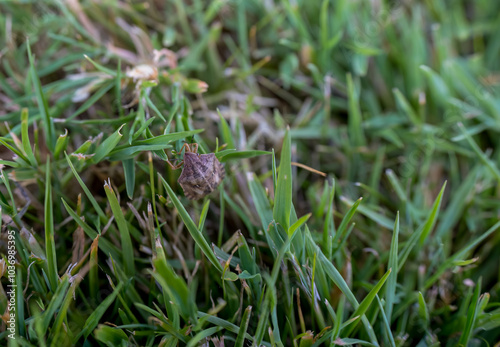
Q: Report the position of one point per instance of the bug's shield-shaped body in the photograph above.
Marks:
(201, 175)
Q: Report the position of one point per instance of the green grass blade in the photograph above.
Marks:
(329, 225)
(367, 301)
(173, 285)
(130, 152)
(245, 320)
(432, 219)
(283, 198)
(370, 213)
(107, 146)
(59, 333)
(43, 106)
(57, 299)
(164, 139)
(96, 315)
(93, 270)
(451, 260)
(129, 173)
(390, 289)
(196, 340)
(50, 246)
(26, 139)
(154, 108)
(489, 164)
(61, 144)
(345, 221)
(338, 280)
(126, 241)
(406, 107)
(260, 200)
(99, 67)
(387, 326)
(423, 312)
(193, 230)
(225, 131)
(356, 135)
(110, 336)
(295, 226)
(106, 86)
(106, 246)
(228, 155)
(14, 150)
(471, 316)
(87, 192)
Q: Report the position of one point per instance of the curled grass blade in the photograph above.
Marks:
(107, 146)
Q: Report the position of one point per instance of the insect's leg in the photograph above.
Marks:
(194, 147)
(185, 147)
(178, 165)
(174, 167)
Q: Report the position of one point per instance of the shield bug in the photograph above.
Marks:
(202, 173)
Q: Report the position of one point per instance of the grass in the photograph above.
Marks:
(397, 103)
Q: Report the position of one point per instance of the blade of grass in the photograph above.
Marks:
(423, 311)
(363, 306)
(62, 314)
(26, 139)
(87, 192)
(96, 315)
(225, 131)
(337, 279)
(106, 86)
(43, 106)
(489, 164)
(193, 230)
(471, 316)
(356, 135)
(173, 285)
(228, 155)
(126, 241)
(93, 270)
(390, 289)
(387, 326)
(107, 146)
(345, 221)
(106, 246)
(458, 255)
(432, 219)
(329, 226)
(61, 144)
(240, 339)
(56, 301)
(49, 229)
(129, 173)
(283, 197)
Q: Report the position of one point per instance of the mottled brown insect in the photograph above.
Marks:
(202, 173)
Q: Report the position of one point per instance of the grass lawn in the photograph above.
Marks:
(359, 151)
